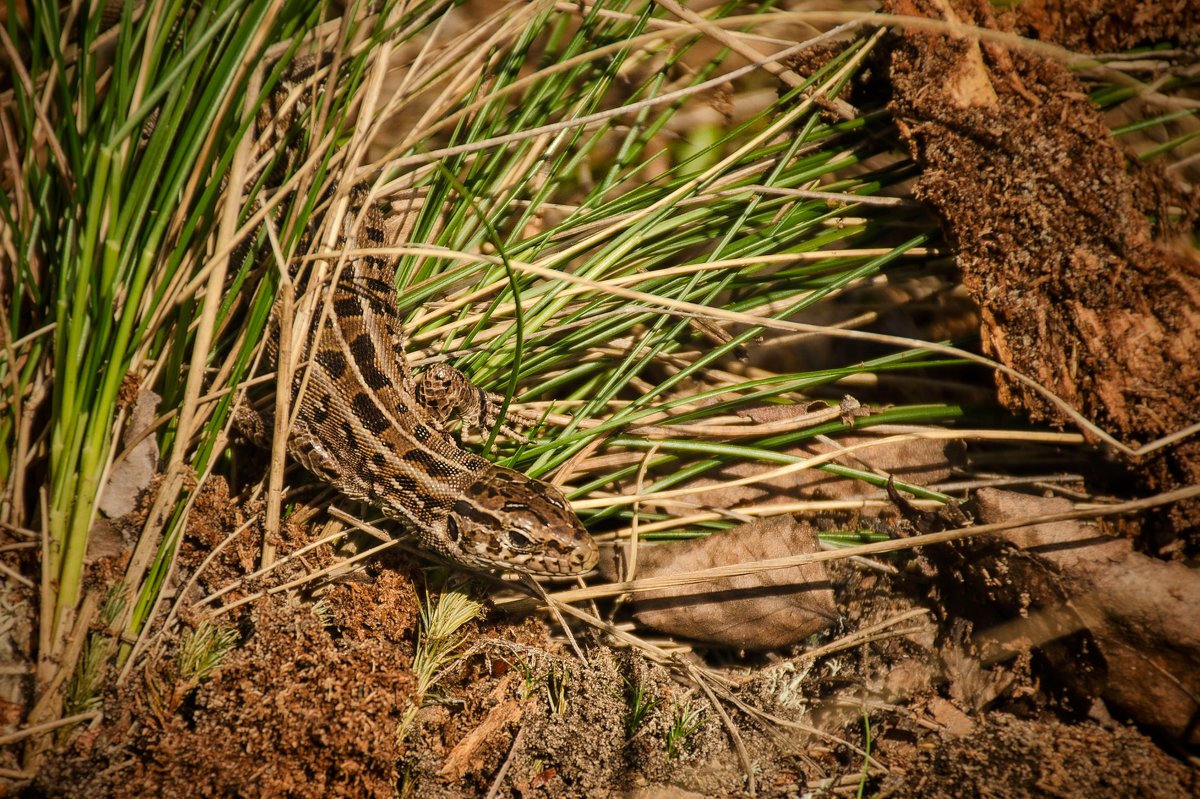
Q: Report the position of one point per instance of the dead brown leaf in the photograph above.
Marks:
(766, 610)
(132, 475)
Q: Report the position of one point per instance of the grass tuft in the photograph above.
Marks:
(686, 721)
(203, 649)
(640, 706)
(440, 636)
(439, 644)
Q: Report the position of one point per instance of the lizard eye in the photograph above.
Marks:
(518, 540)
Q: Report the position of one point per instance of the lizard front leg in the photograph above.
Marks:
(445, 393)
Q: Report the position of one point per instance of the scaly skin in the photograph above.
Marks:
(368, 428)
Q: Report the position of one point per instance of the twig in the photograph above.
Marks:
(512, 751)
(283, 396)
(46, 726)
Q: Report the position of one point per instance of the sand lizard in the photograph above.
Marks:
(367, 427)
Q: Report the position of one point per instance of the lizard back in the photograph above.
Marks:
(361, 427)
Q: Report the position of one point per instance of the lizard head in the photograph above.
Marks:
(507, 520)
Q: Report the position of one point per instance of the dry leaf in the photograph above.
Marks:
(133, 474)
(766, 610)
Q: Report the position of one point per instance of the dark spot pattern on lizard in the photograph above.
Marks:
(369, 414)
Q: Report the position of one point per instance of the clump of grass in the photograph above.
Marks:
(545, 673)
(440, 635)
(556, 688)
(324, 613)
(530, 680)
(203, 649)
(640, 705)
(124, 142)
(439, 643)
(83, 692)
(201, 652)
(686, 721)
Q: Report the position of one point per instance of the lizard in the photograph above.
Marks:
(364, 424)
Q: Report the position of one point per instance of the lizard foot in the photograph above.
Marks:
(445, 393)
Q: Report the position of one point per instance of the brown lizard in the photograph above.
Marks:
(367, 427)
(363, 423)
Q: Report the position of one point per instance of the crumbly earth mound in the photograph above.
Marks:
(1018, 758)
(1052, 221)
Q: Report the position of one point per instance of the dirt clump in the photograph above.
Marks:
(1109, 25)
(292, 710)
(1077, 288)
(1017, 758)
